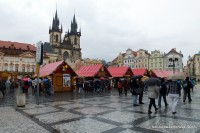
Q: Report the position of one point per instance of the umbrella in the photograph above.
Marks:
(96, 80)
(25, 79)
(152, 82)
(144, 78)
(175, 77)
(136, 77)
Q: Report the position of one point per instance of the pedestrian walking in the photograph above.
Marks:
(2, 88)
(119, 87)
(153, 93)
(174, 91)
(163, 93)
(8, 84)
(134, 86)
(141, 83)
(126, 86)
(187, 86)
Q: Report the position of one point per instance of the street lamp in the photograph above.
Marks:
(173, 59)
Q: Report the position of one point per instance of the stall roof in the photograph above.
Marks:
(48, 69)
(165, 73)
(119, 71)
(160, 73)
(139, 71)
(89, 71)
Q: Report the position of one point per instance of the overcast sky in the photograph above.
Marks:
(108, 26)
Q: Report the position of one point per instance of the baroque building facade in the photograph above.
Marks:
(142, 59)
(192, 68)
(63, 48)
(18, 58)
(155, 60)
(178, 60)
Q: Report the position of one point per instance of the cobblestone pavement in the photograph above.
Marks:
(87, 113)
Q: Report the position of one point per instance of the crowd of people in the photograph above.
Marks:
(171, 88)
(95, 85)
(26, 84)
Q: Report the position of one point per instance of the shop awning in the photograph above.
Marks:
(139, 71)
(120, 71)
(89, 71)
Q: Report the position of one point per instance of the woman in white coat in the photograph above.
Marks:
(153, 93)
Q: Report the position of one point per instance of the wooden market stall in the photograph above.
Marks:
(119, 72)
(62, 75)
(92, 71)
(141, 71)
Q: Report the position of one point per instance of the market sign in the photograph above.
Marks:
(39, 53)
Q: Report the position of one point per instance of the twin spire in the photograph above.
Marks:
(56, 24)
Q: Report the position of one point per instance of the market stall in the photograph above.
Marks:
(62, 75)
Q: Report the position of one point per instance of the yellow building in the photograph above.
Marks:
(156, 60)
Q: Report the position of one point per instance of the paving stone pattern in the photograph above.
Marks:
(108, 113)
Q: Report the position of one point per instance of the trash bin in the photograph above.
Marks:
(21, 100)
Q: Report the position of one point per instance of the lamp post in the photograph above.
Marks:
(173, 59)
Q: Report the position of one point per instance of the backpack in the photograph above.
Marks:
(185, 84)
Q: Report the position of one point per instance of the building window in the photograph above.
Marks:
(28, 69)
(23, 69)
(75, 40)
(56, 38)
(65, 55)
(11, 67)
(16, 68)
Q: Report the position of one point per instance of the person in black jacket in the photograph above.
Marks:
(187, 86)
(2, 88)
(141, 83)
(163, 93)
(133, 86)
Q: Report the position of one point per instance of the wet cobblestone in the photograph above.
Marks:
(98, 113)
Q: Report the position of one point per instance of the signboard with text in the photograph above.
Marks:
(39, 53)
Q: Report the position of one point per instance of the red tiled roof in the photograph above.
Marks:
(118, 71)
(89, 71)
(17, 45)
(139, 71)
(48, 69)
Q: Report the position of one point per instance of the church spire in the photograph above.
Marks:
(56, 23)
(74, 27)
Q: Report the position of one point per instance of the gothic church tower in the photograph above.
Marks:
(55, 32)
(68, 48)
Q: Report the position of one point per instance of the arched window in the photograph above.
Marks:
(65, 55)
(75, 40)
(23, 68)
(56, 38)
(16, 67)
